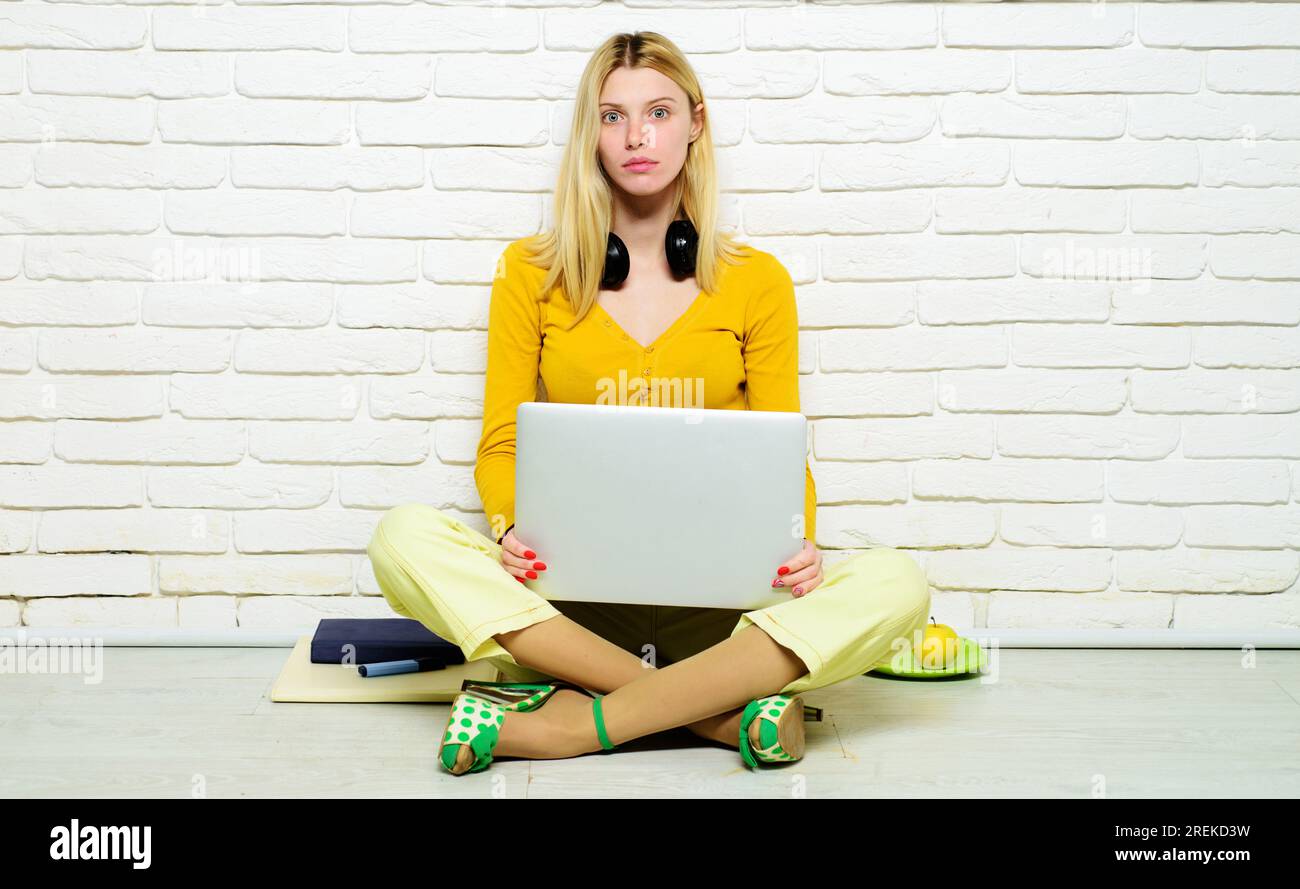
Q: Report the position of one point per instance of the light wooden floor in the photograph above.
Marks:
(1055, 723)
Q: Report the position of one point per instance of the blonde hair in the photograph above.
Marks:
(573, 251)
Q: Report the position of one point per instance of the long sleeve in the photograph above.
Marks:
(771, 352)
(514, 346)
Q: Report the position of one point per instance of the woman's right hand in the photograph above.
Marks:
(519, 560)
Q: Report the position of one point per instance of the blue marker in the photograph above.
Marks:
(388, 668)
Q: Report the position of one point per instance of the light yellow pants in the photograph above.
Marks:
(449, 577)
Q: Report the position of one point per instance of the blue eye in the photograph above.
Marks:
(606, 116)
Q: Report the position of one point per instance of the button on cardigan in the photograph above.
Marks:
(736, 348)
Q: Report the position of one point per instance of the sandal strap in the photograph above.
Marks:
(746, 717)
(600, 724)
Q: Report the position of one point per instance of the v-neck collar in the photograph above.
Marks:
(663, 337)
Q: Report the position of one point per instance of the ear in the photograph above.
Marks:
(697, 121)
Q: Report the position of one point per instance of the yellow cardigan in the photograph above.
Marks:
(734, 349)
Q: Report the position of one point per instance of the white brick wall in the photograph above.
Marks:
(1047, 256)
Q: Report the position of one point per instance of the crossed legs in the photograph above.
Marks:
(705, 692)
(444, 574)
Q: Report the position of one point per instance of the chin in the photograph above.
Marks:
(641, 185)
(645, 189)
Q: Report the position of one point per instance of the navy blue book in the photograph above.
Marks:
(375, 640)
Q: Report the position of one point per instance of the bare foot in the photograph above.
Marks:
(549, 731)
(723, 728)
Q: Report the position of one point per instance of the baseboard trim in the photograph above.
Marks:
(173, 637)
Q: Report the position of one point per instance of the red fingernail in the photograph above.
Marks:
(783, 570)
(540, 566)
(518, 578)
(529, 554)
(532, 575)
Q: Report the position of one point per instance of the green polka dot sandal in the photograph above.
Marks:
(480, 709)
(771, 730)
(471, 734)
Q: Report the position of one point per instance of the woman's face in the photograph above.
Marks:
(644, 115)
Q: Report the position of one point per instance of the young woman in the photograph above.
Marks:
(611, 294)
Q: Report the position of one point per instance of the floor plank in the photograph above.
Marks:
(178, 722)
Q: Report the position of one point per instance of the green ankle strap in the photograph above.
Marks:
(600, 724)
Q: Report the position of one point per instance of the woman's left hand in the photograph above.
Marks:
(803, 573)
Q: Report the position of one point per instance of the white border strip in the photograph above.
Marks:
(1003, 638)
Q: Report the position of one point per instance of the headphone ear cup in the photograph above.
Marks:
(680, 244)
(616, 262)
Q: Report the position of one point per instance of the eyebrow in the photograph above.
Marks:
(651, 102)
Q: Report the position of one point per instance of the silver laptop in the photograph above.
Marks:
(659, 505)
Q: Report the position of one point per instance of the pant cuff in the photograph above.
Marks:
(479, 644)
(812, 660)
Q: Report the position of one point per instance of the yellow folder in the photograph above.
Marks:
(303, 681)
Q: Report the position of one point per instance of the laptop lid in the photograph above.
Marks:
(659, 505)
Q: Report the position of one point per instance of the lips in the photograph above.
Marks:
(640, 166)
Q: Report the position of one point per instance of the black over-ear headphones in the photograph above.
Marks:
(679, 244)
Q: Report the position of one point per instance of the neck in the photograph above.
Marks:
(641, 221)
